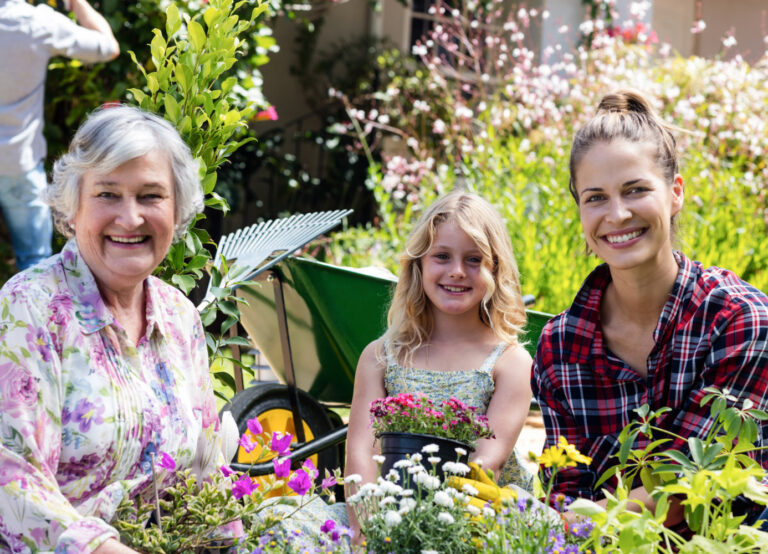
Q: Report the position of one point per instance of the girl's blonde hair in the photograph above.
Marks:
(410, 319)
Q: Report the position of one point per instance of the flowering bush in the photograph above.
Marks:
(475, 107)
(415, 413)
(226, 508)
(421, 513)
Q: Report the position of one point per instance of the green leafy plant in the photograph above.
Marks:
(226, 508)
(192, 85)
(707, 479)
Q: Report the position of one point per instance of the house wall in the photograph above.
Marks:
(747, 19)
(344, 20)
(672, 21)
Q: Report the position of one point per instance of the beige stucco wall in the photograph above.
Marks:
(672, 21)
(747, 18)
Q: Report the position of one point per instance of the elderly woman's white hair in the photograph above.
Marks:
(110, 137)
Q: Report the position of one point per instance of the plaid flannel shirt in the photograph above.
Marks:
(713, 331)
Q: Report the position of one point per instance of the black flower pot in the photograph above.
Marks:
(398, 446)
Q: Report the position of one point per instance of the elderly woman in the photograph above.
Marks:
(102, 366)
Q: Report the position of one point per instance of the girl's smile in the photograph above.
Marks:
(451, 271)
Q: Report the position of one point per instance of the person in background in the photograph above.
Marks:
(648, 326)
(102, 365)
(29, 37)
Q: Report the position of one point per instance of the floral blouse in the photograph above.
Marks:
(82, 409)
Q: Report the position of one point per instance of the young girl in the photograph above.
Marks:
(649, 326)
(453, 331)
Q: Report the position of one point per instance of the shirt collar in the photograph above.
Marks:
(680, 291)
(91, 311)
(584, 313)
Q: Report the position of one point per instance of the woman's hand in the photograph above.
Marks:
(113, 546)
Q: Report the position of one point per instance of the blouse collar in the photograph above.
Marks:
(91, 311)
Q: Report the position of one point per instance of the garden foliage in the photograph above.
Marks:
(475, 106)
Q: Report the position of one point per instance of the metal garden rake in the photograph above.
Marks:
(254, 249)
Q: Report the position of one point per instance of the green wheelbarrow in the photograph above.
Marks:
(311, 321)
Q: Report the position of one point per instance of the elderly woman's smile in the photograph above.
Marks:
(125, 221)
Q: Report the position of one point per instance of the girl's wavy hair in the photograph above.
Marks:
(110, 137)
(410, 319)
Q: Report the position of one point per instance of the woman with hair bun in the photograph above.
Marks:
(648, 326)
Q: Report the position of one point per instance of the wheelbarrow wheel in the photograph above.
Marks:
(270, 403)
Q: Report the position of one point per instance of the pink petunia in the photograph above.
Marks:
(243, 487)
(300, 483)
(166, 462)
(226, 471)
(282, 467)
(281, 443)
(255, 427)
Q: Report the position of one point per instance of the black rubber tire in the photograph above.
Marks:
(256, 400)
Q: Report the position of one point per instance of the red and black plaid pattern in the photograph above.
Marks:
(713, 331)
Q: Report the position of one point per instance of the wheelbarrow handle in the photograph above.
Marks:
(297, 456)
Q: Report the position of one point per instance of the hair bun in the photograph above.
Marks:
(624, 101)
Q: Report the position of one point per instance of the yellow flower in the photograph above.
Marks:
(553, 456)
(562, 455)
(573, 454)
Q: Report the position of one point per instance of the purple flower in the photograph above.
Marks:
(310, 468)
(226, 470)
(247, 444)
(87, 413)
(281, 443)
(328, 482)
(328, 526)
(300, 483)
(166, 462)
(582, 529)
(255, 427)
(282, 467)
(243, 487)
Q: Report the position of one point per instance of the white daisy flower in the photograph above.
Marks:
(469, 489)
(392, 518)
(442, 498)
(430, 449)
(445, 517)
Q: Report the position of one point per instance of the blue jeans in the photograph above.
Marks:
(27, 216)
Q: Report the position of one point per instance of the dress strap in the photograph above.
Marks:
(388, 354)
(493, 357)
